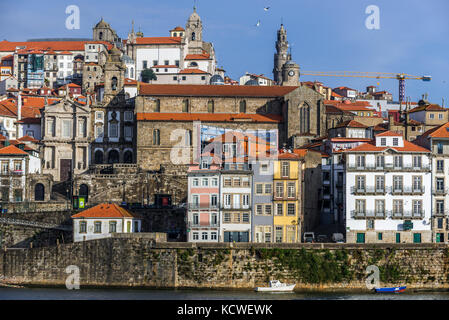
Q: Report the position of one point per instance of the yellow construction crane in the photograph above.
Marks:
(374, 75)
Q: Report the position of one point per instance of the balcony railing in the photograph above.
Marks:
(368, 214)
(12, 172)
(203, 206)
(441, 191)
(407, 190)
(284, 197)
(192, 224)
(388, 167)
(232, 207)
(368, 190)
(439, 213)
(408, 215)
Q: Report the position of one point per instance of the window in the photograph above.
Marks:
(398, 238)
(155, 62)
(66, 128)
(156, 137)
(440, 148)
(112, 226)
(279, 234)
(279, 209)
(398, 162)
(397, 206)
(291, 209)
(380, 161)
(195, 236)
(417, 183)
(210, 106)
(204, 182)
(440, 206)
(99, 115)
(128, 132)
(360, 206)
(213, 236)
(214, 182)
(195, 182)
(370, 224)
(417, 207)
(417, 161)
(185, 105)
(268, 209)
(242, 108)
(431, 116)
(397, 183)
(360, 183)
(97, 227)
(440, 184)
(82, 127)
(259, 209)
(166, 62)
(259, 188)
(236, 182)
(99, 131)
(227, 182)
(227, 200)
(144, 64)
(380, 206)
(395, 141)
(113, 130)
(279, 190)
(285, 169)
(291, 190)
(383, 141)
(440, 116)
(83, 226)
(129, 116)
(264, 168)
(195, 200)
(360, 160)
(380, 183)
(226, 217)
(245, 200)
(268, 189)
(204, 235)
(440, 165)
(379, 236)
(175, 78)
(440, 223)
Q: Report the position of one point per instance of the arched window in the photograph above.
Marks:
(193, 36)
(193, 64)
(243, 106)
(84, 191)
(101, 35)
(113, 156)
(39, 192)
(157, 105)
(210, 106)
(128, 157)
(98, 157)
(304, 119)
(156, 137)
(114, 83)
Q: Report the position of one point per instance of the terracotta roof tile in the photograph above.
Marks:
(157, 40)
(105, 210)
(12, 150)
(351, 124)
(204, 56)
(438, 132)
(49, 45)
(389, 133)
(371, 147)
(192, 71)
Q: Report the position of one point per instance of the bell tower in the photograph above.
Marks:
(281, 56)
(114, 77)
(290, 74)
(194, 33)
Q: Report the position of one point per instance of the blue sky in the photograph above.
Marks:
(326, 35)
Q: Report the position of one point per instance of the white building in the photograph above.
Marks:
(388, 191)
(102, 221)
(65, 67)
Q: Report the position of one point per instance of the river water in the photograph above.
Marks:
(180, 294)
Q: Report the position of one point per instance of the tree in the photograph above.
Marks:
(148, 75)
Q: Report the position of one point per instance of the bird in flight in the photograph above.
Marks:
(266, 8)
(258, 23)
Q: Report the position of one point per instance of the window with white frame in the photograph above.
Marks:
(195, 182)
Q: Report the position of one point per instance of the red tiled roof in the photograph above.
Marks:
(344, 139)
(214, 91)
(12, 150)
(389, 134)
(371, 147)
(178, 28)
(204, 56)
(192, 71)
(105, 210)
(28, 138)
(157, 40)
(208, 117)
(351, 124)
(428, 107)
(438, 132)
(287, 156)
(49, 45)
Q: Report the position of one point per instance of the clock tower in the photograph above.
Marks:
(281, 56)
(290, 74)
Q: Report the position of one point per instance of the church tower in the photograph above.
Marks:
(114, 78)
(290, 74)
(103, 32)
(194, 33)
(281, 56)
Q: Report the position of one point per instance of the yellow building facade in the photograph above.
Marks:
(286, 195)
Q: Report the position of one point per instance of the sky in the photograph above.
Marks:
(325, 35)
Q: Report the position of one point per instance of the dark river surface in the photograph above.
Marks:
(180, 294)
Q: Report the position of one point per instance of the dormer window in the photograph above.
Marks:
(383, 141)
(395, 142)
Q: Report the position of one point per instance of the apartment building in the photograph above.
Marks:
(388, 187)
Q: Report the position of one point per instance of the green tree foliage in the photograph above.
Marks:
(148, 75)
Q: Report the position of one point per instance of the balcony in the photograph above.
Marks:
(12, 173)
(439, 213)
(440, 191)
(203, 206)
(407, 215)
(368, 214)
(407, 191)
(388, 167)
(191, 224)
(285, 197)
(368, 190)
(231, 207)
